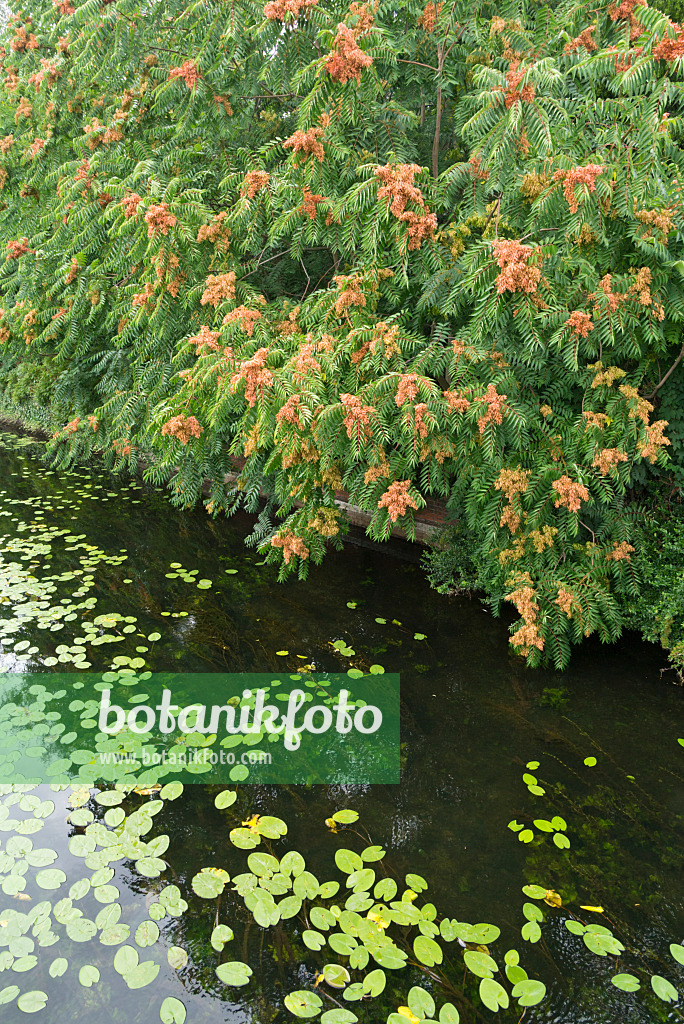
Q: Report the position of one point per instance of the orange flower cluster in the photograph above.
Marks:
(291, 545)
(205, 339)
(570, 493)
(253, 183)
(121, 446)
(188, 71)
(95, 131)
(350, 293)
(656, 440)
(311, 201)
(398, 189)
(74, 271)
(512, 94)
(583, 39)
(515, 272)
(624, 12)
(83, 173)
(36, 146)
(621, 552)
(245, 316)
(407, 389)
(17, 248)
(580, 323)
(397, 186)
(363, 18)
(217, 232)
(478, 172)
(428, 19)
(255, 375)
(12, 80)
(22, 41)
(47, 70)
(224, 102)
(113, 134)
(595, 419)
(24, 109)
(130, 204)
(289, 326)
(307, 143)
(93, 423)
(64, 7)
(159, 218)
(72, 426)
(565, 601)
(356, 416)
(397, 499)
(219, 288)
(305, 362)
(145, 297)
(278, 10)
(347, 60)
(577, 176)
(642, 409)
(513, 482)
(182, 428)
(524, 599)
(289, 412)
(385, 335)
(496, 405)
(456, 401)
(421, 226)
(420, 427)
(668, 48)
(6, 143)
(657, 220)
(377, 472)
(641, 290)
(607, 458)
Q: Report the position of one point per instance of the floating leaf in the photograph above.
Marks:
(529, 992)
(88, 975)
(234, 973)
(303, 1003)
(664, 989)
(32, 1002)
(427, 951)
(421, 1002)
(626, 982)
(172, 1011)
(177, 957)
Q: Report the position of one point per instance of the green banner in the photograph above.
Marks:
(143, 728)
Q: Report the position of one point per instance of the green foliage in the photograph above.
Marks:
(337, 249)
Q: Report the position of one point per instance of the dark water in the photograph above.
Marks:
(472, 716)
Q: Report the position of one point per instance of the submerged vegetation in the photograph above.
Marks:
(309, 248)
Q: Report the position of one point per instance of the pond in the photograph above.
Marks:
(489, 749)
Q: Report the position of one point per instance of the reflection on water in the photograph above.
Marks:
(473, 717)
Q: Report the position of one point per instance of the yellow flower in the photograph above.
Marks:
(409, 896)
(553, 898)
(378, 920)
(404, 1011)
(332, 824)
(253, 823)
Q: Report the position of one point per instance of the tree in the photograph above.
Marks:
(399, 250)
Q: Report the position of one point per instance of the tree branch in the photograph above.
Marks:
(668, 374)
